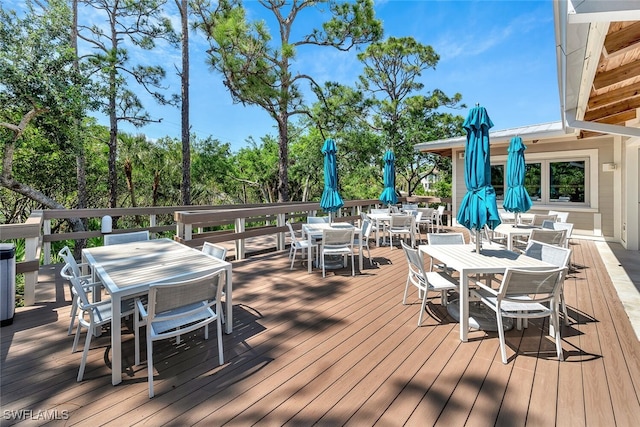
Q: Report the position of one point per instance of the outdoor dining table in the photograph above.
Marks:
(126, 270)
(465, 260)
(313, 232)
(510, 231)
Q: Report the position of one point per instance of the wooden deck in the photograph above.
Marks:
(335, 351)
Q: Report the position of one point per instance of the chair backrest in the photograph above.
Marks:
(445, 238)
(337, 237)
(415, 263)
(537, 284)
(394, 209)
(409, 207)
(440, 210)
(538, 219)
(67, 256)
(427, 213)
(552, 254)
(401, 221)
(552, 225)
(560, 216)
(164, 297)
(215, 251)
(552, 237)
(367, 226)
(317, 219)
(116, 239)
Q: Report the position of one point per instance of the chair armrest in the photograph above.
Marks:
(140, 308)
(486, 288)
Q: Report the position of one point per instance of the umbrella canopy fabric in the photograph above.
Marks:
(517, 198)
(388, 195)
(331, 200)
(478, 207)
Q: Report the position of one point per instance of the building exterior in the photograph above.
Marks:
(586, 163)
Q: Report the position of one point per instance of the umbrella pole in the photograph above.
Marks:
(478, 241)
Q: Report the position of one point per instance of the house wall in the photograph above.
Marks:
(596, 219)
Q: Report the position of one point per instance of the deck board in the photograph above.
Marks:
(338, 351)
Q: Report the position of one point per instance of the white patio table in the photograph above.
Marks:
(466, 261)
(127, 270)
(513, 230)
(314, 233)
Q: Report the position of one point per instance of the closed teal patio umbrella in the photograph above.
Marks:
(517, 198)
(388, 195)
(331, 200)
(478, 207)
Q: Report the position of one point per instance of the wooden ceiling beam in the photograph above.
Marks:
(619, 119)
(610, 110)
(588, 134)
(622, 39)
(616, 75)
(613, 96)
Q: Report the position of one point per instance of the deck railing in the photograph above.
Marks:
(191, 224)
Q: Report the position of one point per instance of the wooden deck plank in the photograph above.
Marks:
(338, 351)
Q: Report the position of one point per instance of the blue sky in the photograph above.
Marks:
(500, 54)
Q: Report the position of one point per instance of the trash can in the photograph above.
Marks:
(7, 283)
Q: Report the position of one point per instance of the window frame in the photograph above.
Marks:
(590, 157)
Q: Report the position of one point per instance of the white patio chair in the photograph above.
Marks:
(538, 219)
(560, 216)
(402, 225)
(525, 294)
(551, 225)
(426, 219)
(92, 316)
(337, 242)
(298, 244)
(116, 239)
(362, 241)
(177, 308)
(552, 237)
(214, 250)
(555, 255)
(425, 282)
(73, 269)
(443, 239)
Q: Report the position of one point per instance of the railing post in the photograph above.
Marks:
(280, 221)
(31, 277)
(240, 247)
(152, 223)
(46, 230)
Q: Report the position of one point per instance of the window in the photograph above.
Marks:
(554, 178)
(498, 180)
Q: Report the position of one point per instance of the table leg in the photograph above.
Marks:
(464, 306)
(116, 343)
(228, 301)
(309, 260)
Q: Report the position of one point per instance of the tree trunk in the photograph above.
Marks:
(283, 148)
(186, 141)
